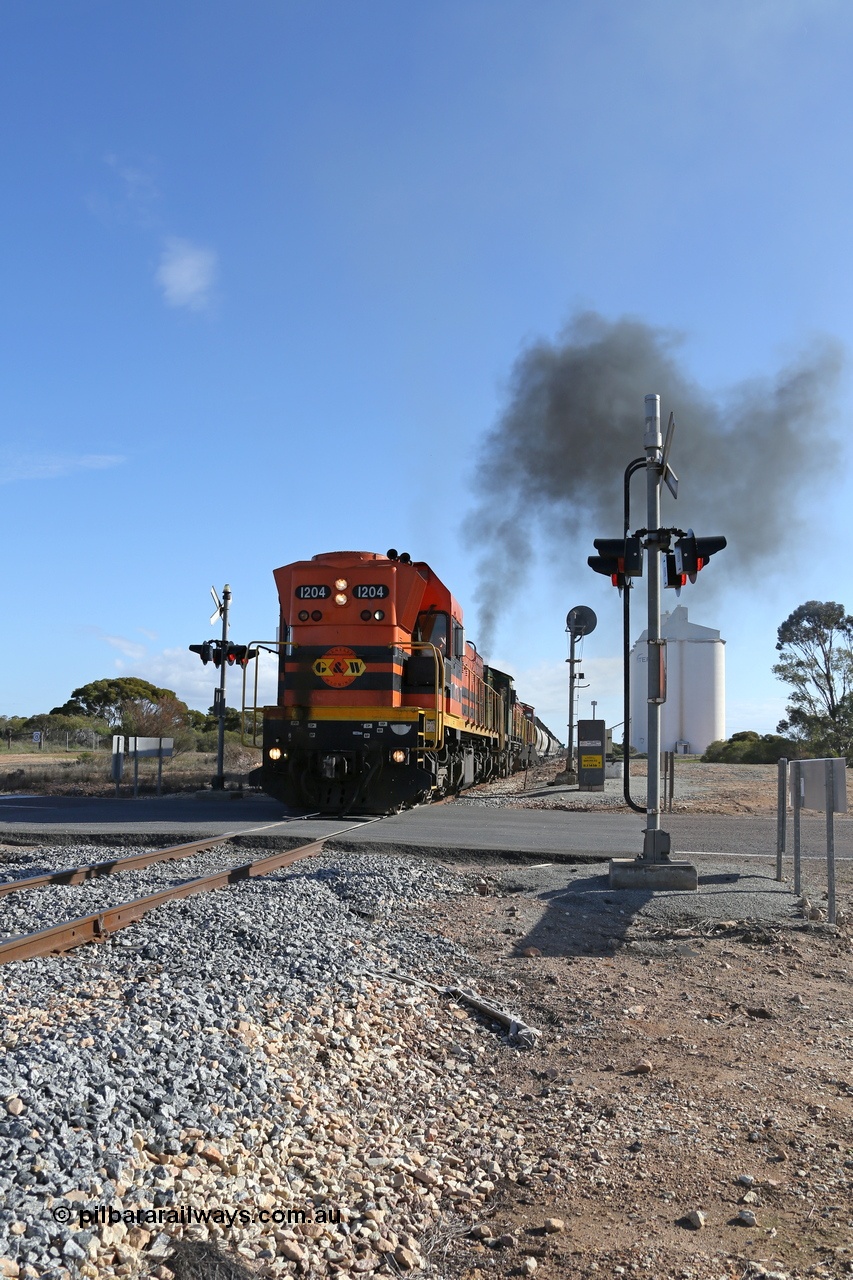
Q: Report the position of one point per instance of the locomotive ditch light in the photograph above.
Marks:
(379, 615)
(366, 615)
(316, 615)
(274, 753)
(304, 615)
(399, 757)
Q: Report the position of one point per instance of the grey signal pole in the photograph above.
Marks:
(653, 868)
(220, 748)
(656, 843)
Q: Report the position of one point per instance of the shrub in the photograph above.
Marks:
(749, 747)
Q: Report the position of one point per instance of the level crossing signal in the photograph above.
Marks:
(691, 554)
(688, 557)
(619, 559)
(239, 653)
(216, 652)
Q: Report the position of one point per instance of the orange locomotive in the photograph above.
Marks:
(381, 701)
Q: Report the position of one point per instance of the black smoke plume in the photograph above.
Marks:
(553, 464)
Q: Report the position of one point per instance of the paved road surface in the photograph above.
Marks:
(451, 828)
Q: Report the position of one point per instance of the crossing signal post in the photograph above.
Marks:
(684, 555)
(222, 655)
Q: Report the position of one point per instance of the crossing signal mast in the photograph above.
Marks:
(222, 655)
(621, 559)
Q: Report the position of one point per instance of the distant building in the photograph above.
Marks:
(694, 713)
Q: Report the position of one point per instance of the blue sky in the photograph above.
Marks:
(267, 269)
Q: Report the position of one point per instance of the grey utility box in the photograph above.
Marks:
(592, 739)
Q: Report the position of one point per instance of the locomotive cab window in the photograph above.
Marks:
(432, 629)
(458, 640)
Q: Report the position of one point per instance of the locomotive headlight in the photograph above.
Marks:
(399, 757)
(340, 598)
(341, 584)
(274, 753)
(379, 615)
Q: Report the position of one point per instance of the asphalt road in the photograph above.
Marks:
(445, 828)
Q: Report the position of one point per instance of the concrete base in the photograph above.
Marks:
(636, 873)
(567, 778)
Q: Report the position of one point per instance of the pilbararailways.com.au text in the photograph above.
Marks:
(187, 1215)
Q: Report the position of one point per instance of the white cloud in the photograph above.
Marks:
(546, 687)
(191, 680)
(49, 466)
(130, 649)
(186, 274)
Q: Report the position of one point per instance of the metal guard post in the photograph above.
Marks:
(271, 646)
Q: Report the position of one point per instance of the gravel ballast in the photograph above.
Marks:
(126, 1062)
(251, 1052)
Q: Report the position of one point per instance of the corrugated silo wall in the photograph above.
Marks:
(695, 707)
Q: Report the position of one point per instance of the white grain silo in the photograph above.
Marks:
(694, 714)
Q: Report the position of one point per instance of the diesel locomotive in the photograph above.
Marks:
(382, 701)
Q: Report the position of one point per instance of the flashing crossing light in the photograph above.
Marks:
(205, 651)
(691, 554)
(620, 558)
(239, 653)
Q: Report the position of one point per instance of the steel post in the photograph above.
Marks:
(219, 781)
(829, 766)
(781, 815)
(570, 768)
(796, 798)
(656, 843)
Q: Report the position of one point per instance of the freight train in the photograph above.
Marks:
(382, 701)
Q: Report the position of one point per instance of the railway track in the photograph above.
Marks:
(99, 925)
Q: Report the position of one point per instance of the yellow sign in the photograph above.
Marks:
(338, 667)
(591, 762)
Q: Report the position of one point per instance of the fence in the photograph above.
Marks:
(813, 784)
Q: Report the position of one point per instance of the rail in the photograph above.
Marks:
(100, 924)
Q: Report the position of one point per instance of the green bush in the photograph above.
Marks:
(749, 747)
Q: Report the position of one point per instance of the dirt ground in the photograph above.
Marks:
(697, 1070)
(697, 1073)
(698, 788)
(686, 1112)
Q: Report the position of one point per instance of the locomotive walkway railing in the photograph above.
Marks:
(438, 723)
